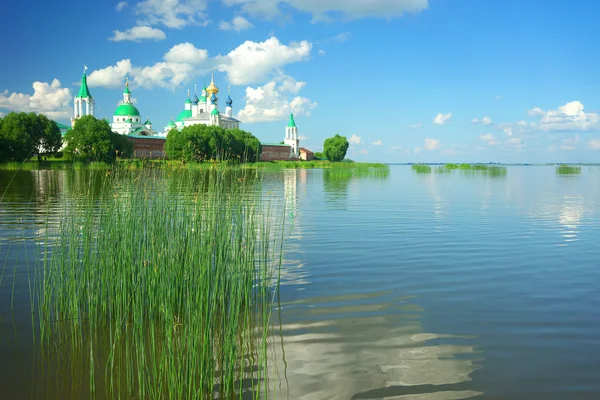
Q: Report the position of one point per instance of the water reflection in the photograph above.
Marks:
(363, 355)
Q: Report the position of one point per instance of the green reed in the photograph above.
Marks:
(159, 286)
(567, 170)
(421, 168)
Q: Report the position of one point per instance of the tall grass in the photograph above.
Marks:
(160, 287)
(421, 168)
(279, 165)
(567, 170)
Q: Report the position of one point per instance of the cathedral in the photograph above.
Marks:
(205, 110)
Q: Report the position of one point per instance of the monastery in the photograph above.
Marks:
(149, 143)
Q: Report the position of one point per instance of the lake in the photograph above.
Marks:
(405, 286)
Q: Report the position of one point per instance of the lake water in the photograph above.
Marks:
(410, 286)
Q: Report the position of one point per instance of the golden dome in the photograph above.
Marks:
(212, 88)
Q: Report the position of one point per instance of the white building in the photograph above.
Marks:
(205, 110)
(83, 103)
(127, 119)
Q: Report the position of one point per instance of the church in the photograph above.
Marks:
(149, 143)
(205, 110)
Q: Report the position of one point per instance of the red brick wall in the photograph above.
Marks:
(275, 153)
(148, 148)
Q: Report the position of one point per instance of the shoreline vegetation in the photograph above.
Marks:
(485, 169)
(129, 302)
(132, 164)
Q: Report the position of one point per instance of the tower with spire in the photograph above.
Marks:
(83, 103)
(291, 137)
(229, 103)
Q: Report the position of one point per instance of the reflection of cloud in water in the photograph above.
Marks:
(368, 357)
(571, 212)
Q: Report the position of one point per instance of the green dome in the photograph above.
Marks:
(214, 112)
(183, 115)
(171, 124)
(127, 109)
(188, 101)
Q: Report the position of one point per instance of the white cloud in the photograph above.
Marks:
(137, 34)
(415, 126)
(442, 119)
(111, 76)
(515, 143)
(536, 112)
(483, 121)
(568, 148)
(237, 24)
(51, 100)
(321, 52)
(252, 62)
(594, 144)
(341, 37)
(569, 117)
(323, 10)
(270, 102)
(121, 5)
(173, 13)
(489, 138)
(431, 144)
(302, 137)
(186, 53)
(377, 143)
(355, 139)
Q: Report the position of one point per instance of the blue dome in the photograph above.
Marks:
(213, 98)
(229, 102)
(195, 100)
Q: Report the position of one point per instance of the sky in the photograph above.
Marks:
(513, 81)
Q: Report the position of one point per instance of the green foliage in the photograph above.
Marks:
(335, 148)
(90, 139)
(421, 168)
(24, 134)
(123, 146)
(319, 155)
(568, 170)
(199, 143)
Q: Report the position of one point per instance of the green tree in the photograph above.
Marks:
(319, 155)
(123, 146)
(335, 148)
(90, 139)
(24, 134)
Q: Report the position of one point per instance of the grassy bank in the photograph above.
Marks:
(568, 170)
(159, 286)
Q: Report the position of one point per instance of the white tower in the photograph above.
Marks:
(195, 102)
(229, 103)
(83, 103)
(291, 137)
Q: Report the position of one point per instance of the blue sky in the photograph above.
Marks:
(404, 80)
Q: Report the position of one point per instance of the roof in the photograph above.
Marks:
(183, 115)
(188, 101)
(84, 92)
(291, 123)
(306, 150)
(214, 112)
(126, 109)
(275, 145)
(146, 137)
(171, 124)
(62, 126)
(148, 122)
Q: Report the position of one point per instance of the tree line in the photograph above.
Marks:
(200, 143)
(25, 135)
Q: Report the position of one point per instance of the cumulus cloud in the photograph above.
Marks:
(442, 119)
(483, 121)
(186, 53)
(137, 34)
(274, 100)
(121, 6)
(355, 139)
(431, 144)
(173, 13)
(52, 100)
(568, 117)
(515, 143)
(536, 112)
(594, 144)
(237, 24)
(489, 138)
(377, 143)
(325, 10)
(111, 76)
(252, 62)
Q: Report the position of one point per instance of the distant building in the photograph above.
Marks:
(306, 154)
(205, 110)
(289, 150)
